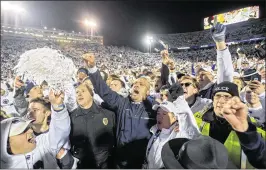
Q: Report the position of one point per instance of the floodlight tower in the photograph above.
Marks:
(149, 41)
(90, 24)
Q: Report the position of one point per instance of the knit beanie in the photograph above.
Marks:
(227, 87)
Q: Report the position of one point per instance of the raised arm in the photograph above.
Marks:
(236, 112)
(225, 68)
(100, 87)
(59, 129)
(20, 102)
(253, 146)
(164, 69)
(187, 123)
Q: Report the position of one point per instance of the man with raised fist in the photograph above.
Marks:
(134, 116)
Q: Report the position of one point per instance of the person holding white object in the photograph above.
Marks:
(21, 149)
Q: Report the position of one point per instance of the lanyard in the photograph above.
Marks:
(157, 134)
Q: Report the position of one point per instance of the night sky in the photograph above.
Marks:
(127, 22)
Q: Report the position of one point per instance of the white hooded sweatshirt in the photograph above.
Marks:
(47, 144)
(187, 129)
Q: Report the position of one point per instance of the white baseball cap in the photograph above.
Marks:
(18, 126)
(236, 74)
(166, 106)
(207, 68)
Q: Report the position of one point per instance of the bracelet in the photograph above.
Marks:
(58, 107)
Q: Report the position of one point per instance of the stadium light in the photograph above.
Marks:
(6, 5)
(18, 9)
(86, 22)
(90, 24)
(148, 41)
(73, 31)
(12, 7)
(45, 28)
(54, 29)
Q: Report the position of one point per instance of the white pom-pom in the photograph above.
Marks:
(46, 64)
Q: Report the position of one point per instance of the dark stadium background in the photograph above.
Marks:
(126, 22)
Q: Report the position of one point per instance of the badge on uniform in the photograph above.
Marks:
(105, 121)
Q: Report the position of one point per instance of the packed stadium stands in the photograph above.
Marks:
(70, 102)
(236, 32)
(125, 57)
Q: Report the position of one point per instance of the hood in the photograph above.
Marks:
(7, 160)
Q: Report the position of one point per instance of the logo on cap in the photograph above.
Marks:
(222, 89)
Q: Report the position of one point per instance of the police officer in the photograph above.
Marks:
(253, 145)
(219, 128)
(92, 131)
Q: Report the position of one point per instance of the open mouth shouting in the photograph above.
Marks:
(135, 92)
(31, 138)
(80, 98)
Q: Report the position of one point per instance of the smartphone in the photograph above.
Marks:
(257, 77)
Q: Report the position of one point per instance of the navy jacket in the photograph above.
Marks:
(209, 92)
(253, 146)
(133, 121)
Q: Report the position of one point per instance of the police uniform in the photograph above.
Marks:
(222, 131)
(92, 137)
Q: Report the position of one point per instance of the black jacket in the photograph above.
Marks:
(208, 93)
(219, 129)
(92, 136)
(253, 146)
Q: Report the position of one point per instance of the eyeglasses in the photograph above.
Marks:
(186, 84)
(226, 97)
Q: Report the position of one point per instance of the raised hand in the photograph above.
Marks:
(218, 32)
(89, 59)
(257, 87)
(236, 112)
(18, 83)
(56, 99)
(45, 125)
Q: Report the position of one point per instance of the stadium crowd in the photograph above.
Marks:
(191, 109)
(236, 32)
